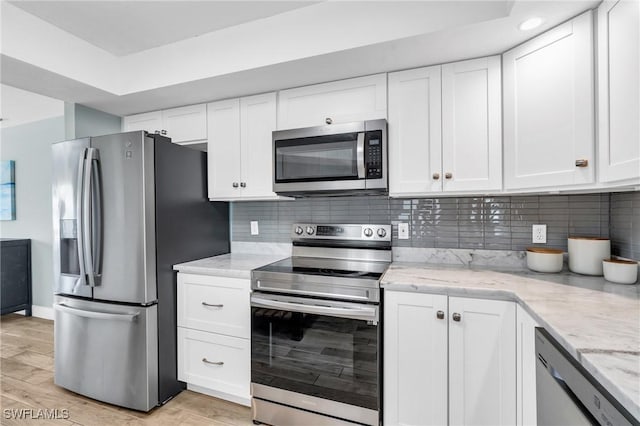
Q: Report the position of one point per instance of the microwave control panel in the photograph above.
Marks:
(373, 154)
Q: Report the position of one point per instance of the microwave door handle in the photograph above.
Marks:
(79, 218)
(360, 155)
(361, 313)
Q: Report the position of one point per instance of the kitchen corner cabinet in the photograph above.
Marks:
(184, 125)
(445, 131)
(450, 352)
(526, 368)
(240, 158)
(619, 91)
(548, 108)
(214, 347)
(355, 99)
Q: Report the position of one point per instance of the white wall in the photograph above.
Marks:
(30, 124)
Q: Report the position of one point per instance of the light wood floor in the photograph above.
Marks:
(26, 382)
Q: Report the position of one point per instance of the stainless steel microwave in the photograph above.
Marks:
(337, 159)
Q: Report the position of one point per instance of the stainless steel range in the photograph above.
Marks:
(315, 328)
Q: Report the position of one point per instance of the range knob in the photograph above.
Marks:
(310, 230)
(298, 230)
(368, 232)
(381, 232)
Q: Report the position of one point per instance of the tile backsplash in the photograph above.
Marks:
(494, 223)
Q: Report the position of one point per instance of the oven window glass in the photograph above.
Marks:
(319, 158)
(327, 357)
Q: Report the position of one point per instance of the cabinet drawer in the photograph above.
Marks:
(199, 354)
(215, 304)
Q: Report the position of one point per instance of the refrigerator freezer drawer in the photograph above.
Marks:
(107, 352)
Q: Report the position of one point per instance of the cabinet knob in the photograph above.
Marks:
(448, 175)
(582, 163)
(440, 314)
(163, 132)
(243, 184)
(436, 176)
(235, 184)
(457, 317)
(328, 120)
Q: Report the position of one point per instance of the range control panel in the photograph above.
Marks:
(346, 232)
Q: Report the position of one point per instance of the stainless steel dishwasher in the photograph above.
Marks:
(567, 394)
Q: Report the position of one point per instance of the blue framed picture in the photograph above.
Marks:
(8, 190)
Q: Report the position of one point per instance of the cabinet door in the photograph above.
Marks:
(619, 90)
(415, 131)
(526, 368)
(186, 124)
(149, 121)
(214, 304)
(415, 359)
(472, 125)
(548, 108)
(356, 99)
(482, 362)
(216, 362)
(257, 121)
(223, 150)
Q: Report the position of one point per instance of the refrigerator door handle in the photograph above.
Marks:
(79, 219)
(94, 314)
(96, 216)
(86, 217)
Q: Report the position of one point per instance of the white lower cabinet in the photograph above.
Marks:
(449, 360)
(526, 368)
(214, 346)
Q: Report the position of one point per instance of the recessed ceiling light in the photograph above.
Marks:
(530, 24)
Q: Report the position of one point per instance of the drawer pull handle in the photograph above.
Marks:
(212, 306)
(206, 361)
(582, 163)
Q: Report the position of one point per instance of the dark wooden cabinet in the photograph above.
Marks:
(15, 276)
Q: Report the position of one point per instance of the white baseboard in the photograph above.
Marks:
(44, 312)
(221, 395)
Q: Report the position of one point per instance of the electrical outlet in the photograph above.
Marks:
(539, 234)
(254, 227)
(403, 231)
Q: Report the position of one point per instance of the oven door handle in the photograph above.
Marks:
(365, 313)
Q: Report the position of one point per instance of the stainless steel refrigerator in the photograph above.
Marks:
(126, 208)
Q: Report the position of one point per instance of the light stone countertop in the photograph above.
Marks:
(596, 321)
(233, 265)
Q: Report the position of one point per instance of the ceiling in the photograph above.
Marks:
(125, 57)
(125, 27)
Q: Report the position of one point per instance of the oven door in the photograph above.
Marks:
(317, 355)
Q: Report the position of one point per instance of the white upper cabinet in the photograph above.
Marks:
(240, 160)
(548, 108)
(619, 90)
(472, 125)
(186, 124)
(149, 121)
(482, 362)
(223, 153)
(445, 130)
(415, 139)
(257, 122)
(183, 125)
(356, 99)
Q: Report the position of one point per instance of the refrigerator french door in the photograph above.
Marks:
(126, 207)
